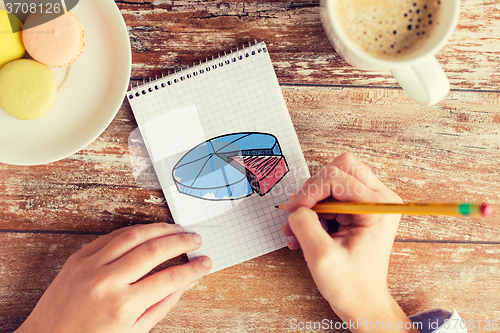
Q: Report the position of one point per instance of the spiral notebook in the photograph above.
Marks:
(225, 151)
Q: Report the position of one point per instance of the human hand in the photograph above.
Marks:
(350, 266)
(99, 288)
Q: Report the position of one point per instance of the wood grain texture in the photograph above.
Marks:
(29, 263)
(266, 293)
(169, 35)
(448, 153)
(91, 191)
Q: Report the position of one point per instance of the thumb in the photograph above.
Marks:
(313, 239)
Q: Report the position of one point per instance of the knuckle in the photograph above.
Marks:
(394, 198)
(197, 270)
(387, 196)
(344, 160)
(174, 276)
(331, 172)
(335, 172)
(345, 157)
(324, 171)
(72, 261)
(165, 226)
(133, 235)
(117, 232)
(75, 266)
(117, 305)
(97, 289)
(153, 248)
(185, 239)
(119, 311)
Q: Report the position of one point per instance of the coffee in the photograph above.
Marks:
(389, 29)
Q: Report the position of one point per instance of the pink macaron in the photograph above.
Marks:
(56, 43)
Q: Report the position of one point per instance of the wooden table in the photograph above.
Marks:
(447, 153)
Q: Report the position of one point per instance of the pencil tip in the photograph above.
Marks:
(277, 206)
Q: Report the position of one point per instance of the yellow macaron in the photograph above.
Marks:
(11, 44)
(28, 89)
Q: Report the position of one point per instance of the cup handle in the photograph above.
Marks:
(425, 81)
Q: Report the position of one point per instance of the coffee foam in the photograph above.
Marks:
(389, 29)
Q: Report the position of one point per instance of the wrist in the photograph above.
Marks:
(364, 306)
(376, 314)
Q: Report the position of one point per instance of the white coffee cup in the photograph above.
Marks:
(419, 74)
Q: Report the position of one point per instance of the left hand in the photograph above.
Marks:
(101, 289)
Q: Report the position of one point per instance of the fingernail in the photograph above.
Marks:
(294, 194)
(179, 228)
(191, 285)
(205, 261)
(197, 238)
(285, 206)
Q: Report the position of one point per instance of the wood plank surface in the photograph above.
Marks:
(167, 35)
(266, 293)
(448, 153)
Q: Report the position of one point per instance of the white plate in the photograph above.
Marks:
(90, 93)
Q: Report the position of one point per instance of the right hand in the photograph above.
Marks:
(350, 266)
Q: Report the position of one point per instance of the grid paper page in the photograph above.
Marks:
(223, 118)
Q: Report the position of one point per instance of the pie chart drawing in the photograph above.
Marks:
(231, 166)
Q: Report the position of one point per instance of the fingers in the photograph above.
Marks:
(161, 284)
(343, 165)
(351, 165)
(97, 244)
(287, 231)
(344, 179)
(309, 232)
(158, 311)
(133, 237)
(333, 183)
(293, 244)
(141, 260)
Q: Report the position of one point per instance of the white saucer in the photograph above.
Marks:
(90, 93)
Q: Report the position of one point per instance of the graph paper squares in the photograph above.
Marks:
(242, 95)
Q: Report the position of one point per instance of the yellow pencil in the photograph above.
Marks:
(464, 209)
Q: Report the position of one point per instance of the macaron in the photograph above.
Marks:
(11, 44)
(28, 89)
(54, 40)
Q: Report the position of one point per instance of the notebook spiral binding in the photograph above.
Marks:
(195, 70)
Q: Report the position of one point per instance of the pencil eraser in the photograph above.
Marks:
(486, 210)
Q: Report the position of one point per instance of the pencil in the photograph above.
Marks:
(461, 209)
